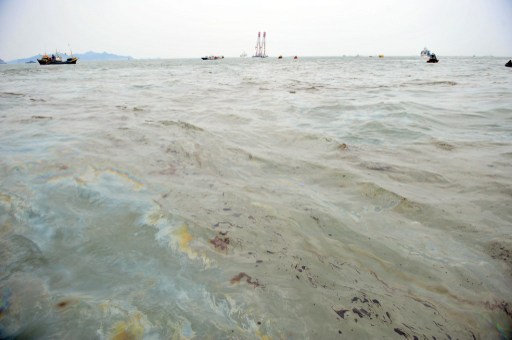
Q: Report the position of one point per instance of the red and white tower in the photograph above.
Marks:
(260, 50)
(263, 55)
(257, 53)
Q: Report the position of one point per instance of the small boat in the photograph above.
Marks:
(425, 53)
(243, 55)
(56, 59)
(509, 63)
(280, 57)
(295, 57)
(432, 59)
(213, 57)
(381, 55)
(30, 62)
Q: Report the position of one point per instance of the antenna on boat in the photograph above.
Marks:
(70, 50)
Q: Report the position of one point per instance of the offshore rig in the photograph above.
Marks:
(261, 46)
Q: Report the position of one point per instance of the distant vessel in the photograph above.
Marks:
(243, 55)
(56, 59)
(433, 58)
(425, 53)
(30, 62)
(261, 46)
(381, 55)
(213, 57)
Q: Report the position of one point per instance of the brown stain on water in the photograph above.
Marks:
(65, 304)
(221, 243)
(238, 278)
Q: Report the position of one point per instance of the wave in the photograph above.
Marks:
(430, 83)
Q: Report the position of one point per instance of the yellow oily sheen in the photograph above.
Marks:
(129, 330)
(262, 336)
(184, 238)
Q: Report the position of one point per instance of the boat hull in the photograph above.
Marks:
(212, 57)
(69, 61)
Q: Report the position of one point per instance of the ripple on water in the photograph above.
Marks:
(359, 197)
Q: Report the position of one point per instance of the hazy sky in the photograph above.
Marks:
(194, 28)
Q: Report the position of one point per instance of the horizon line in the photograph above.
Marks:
(276, 56)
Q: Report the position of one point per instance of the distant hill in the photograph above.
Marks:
(87, 56)
(101, 56)
(2, 62)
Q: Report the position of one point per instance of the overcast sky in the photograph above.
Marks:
(194, 28)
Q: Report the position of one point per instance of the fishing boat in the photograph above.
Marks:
(261, 46)
(213, 57)
(425, 53)
(433, 58)
(56, 59)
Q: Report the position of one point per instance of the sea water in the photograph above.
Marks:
(315, 198)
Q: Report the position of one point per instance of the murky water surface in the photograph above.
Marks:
(256, 199)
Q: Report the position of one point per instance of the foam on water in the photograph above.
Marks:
(315, 198)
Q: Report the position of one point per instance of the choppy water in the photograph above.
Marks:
(256, 199)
